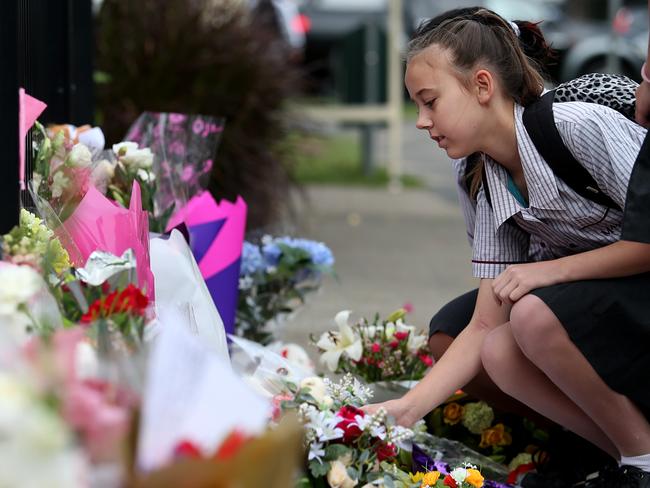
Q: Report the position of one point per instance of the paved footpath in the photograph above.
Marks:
(389, 248)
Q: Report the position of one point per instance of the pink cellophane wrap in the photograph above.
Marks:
(100, 224)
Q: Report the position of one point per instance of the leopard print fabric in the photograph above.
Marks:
(614, 91)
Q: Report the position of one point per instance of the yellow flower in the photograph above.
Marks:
(452, 413)
(416, 477)
(495, 436)
(474, 478)
(430, 479)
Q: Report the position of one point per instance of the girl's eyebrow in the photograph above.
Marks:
(419, 92)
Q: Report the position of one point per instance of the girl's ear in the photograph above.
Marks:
(484, 85)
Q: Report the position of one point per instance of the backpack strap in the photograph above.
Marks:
(540, 125)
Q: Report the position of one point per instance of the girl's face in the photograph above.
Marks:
(447, 109)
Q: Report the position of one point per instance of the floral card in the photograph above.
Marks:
(192, 395)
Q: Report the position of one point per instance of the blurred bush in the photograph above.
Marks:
(208, 57)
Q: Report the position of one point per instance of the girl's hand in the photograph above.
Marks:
(400, 409)
(519, 279)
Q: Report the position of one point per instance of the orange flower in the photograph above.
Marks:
(453, 413)
(495, 436)
(474, 478)
(430, 479)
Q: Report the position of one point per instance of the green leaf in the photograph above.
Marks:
(335, 451)
(388, 482)
(318, 469)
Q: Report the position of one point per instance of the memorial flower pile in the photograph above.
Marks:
(381, 350)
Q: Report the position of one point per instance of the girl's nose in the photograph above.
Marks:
(423, 122)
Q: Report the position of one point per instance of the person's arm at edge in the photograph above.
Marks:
(622, 258)
(642, 111)
(460, 363)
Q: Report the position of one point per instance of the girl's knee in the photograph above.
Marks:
(533, 325)
(494, 350)
(439, 343)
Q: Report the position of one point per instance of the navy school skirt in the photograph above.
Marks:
(608, 320)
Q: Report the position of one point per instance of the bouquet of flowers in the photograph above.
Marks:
(381, 350)
(507, 439)
(275, 278)
(65, 169)
(184, 147)
(347, 447)
(103, 299)
(125, 164)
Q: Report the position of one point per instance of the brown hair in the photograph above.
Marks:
(479, 36)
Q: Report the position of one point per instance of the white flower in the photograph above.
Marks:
(295, 354)
(324, 425)
(33, 435)
(86, 362)
(102, 173)
(400, 326)
(17, 285)
(416, 342)
(459, 475)
(317, 388)
(336, 343)
(129, 155)
(146, 176)
(316, 451)
(80, 156)
(139, 158)
(122, 148)
(338, 476)
(59, 182)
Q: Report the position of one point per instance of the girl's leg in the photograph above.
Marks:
(517, 376)
(544, 341)
(482, 386)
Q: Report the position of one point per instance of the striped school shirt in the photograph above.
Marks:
(558, 221)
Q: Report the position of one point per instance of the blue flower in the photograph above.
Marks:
(272, 253)
(251, 259)
(319, 252)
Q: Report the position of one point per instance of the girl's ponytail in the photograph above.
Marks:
(535, 47)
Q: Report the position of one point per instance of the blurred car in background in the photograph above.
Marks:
(582, 36)
(626, 37)
(582, 40)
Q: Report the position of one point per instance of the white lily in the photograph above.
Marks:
(336, 343)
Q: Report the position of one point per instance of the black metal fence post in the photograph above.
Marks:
(9, 194)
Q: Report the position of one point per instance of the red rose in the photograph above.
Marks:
(385, 451)
(401, 336)
(450, 482)
(186, 449)
(394, 344)
(231, 445)
(351, 430)
(426, 359)
(349, 412)
(375, 347)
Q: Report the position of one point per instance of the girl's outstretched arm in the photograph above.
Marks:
(460, 363)
(622, 258)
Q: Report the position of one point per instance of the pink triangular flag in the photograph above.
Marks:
(29, 109)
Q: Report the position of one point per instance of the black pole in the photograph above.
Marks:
(10, 24)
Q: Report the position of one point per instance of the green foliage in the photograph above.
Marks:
(208, 57)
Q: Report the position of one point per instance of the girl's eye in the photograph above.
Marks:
(429, 103)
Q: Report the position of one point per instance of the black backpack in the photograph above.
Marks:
(614, 91)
